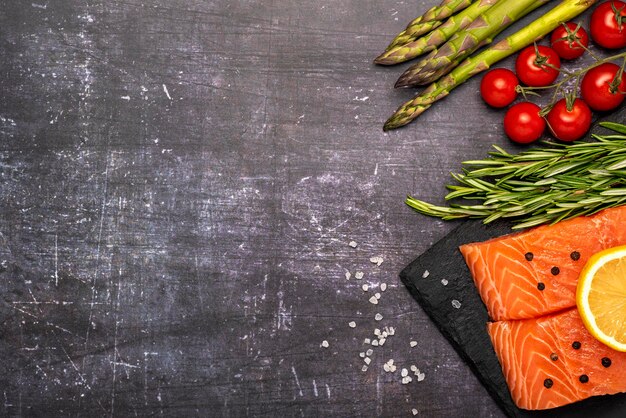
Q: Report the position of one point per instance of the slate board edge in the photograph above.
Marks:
(429, 309)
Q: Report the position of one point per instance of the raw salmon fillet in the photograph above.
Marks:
(553, 361)
(535, 272)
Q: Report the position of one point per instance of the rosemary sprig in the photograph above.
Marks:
(541, 185)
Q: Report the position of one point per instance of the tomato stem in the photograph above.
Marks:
(558, 87)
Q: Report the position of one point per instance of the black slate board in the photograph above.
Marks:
(465, 326)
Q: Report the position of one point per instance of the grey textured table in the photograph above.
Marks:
(180, 181)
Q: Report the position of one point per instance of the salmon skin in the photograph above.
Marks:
(553, 361)
(535, 272)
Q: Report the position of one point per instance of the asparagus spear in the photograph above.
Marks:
(428, 21)
(435, 38)
(480, 32)
(566, 10)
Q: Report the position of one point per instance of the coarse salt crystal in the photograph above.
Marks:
(404, 372)
(353, 244)
(377, 295)
(375, 343)
(383, 287)
(325, 344)
(364, 368)
(407, 380)
(414, 367)
(444, 282)
(373, 300)
(348, 275)
(367, 360)
(365, 287)
(393, 368)
(358, 275)
(378, 317)
(413, 343)
(456, 303)
(362, 354)
(391, 331)
(352, 324)
(386, 367)
(426, 274)
(420, 377)
(367, 341)
(376, 331)
(391, 361)
(414, 411)
(381, 341)
(369, 352)
(385, 334)
(376, 260)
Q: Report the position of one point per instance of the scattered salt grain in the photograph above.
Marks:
(373, 300)
(420, 376)
(325, 344)
(391, 331)
(382, 341)
(444, 282)
(413, 343)
(367, 360)
(358, 275)
(456, 303)
(364, 368)
(386, 367)
(376, 260)
(348, 275)
(369, 352)
(404, 373)
(378, 317)
(414, 368)
(383, 287)
(426, 274)
(367, 341)
(406, 380)
(352, 324)
(414, 411)
(353, 244)
(376, 331)
(375, 343)
(365, 287)
(384, 334)
(362, 354)
(377, 295)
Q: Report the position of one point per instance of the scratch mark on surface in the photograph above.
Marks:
(95, 275)
(56, 260)
(327, 390)
(315, 388)
(115, 352)
(167, 93)
(295, 375)
(46, 322)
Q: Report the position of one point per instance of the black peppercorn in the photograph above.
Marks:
(575, 255)
(548, 383)
(529, 256)
(576, 345)
(541, 286)
(554, 357)
(583, 378)
(555, 271)
(606, 362)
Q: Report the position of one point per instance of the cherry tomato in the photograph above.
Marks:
(608, 24)
(569, 124)
(597, 88)
(532, 69)
(523, 124)
(497, 87)
(569, 43)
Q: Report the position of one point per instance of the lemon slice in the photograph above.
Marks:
(601, 297)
